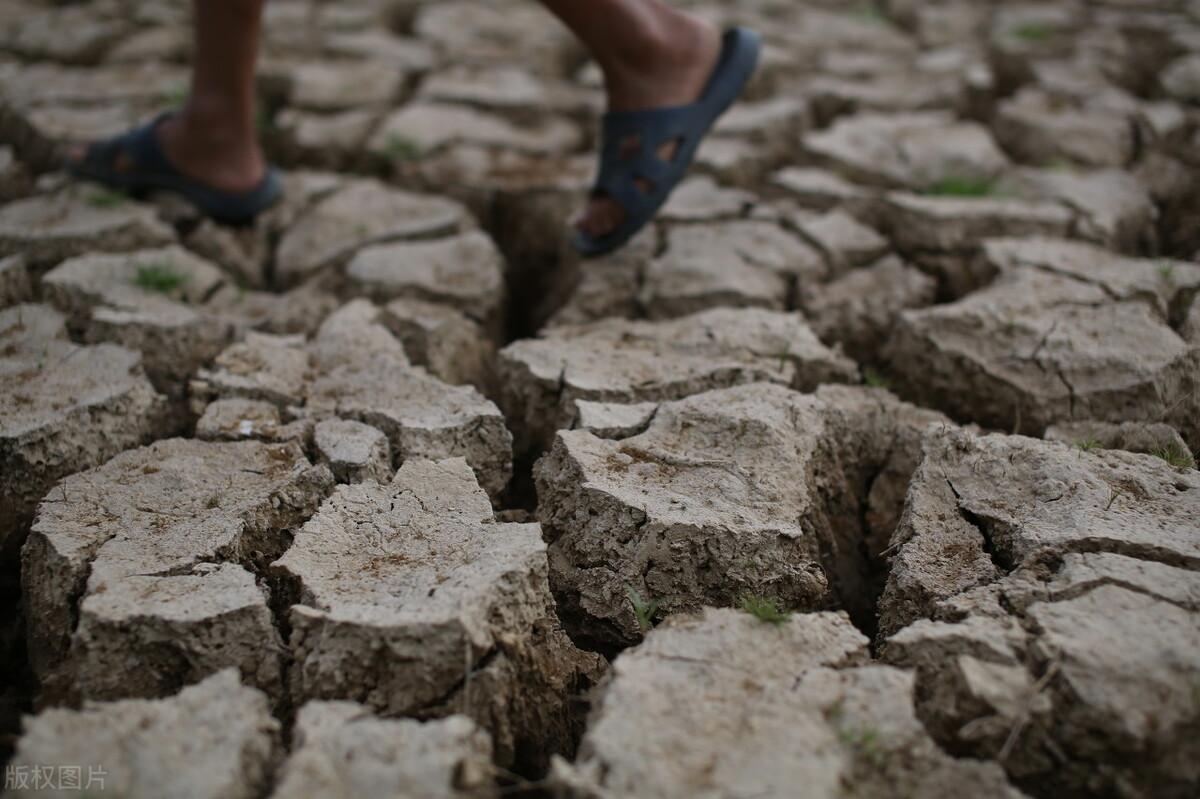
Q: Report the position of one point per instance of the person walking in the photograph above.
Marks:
(668, 76)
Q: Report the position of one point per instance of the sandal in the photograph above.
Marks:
(150, 170)
(623, 167)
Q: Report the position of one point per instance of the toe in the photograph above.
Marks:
(600, 217)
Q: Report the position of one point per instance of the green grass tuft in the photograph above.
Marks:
(869, 12)
(864, 741)
(1088, 444)
(175, 97)
(1179, 458)
(643, 609)
(158, 277)
(402, 148)
(961, 187)
(765, 609)
(1167, 273)
(103, 198)
(875, 379)
(1033, 32)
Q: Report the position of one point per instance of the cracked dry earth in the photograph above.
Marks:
(389, 495)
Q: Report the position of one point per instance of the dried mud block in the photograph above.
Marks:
(362, 373)
(822, 190)
(464, 272)
(1052, 625)
(49, 228)
(354, 451)
(859, 309)
(981, 506)
(507, 89)
(15, 180)
(913, 151)
(1036, 129)
(362, 213)
(330, 86)
(1190, 326)
(1113, 207)
(149, 300)
(618, 360)
(412, 600)
(146, 635)
(1163, 283)
(755, 490)
(701, 199)
(908, 90)
(342, 749)
(1181, 79)
(297, 311)
(74, 35)
(15, 286)
(613, 419)
(354, 368)
(453, 347)
(422, 128)
(845, 242)
(1145, 437)
(469, 32)
(1037, 347)
(263, 367)
(773, 125)
(784, 705)
(117, 568)
(45, 84)
(63, 408)
(325, 140)
(235, 419)
(746, 264)
(918, 223)
(214, 740)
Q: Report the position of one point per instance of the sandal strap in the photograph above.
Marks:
(621, 167)
(139, 144)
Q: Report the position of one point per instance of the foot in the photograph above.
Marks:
(674, 73)
(209, 152)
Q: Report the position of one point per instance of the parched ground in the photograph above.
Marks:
(867, 471)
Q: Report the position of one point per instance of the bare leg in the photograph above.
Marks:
(213, 139)
(652, 56)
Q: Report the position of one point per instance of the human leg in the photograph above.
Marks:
(652, 56)
(213, 138)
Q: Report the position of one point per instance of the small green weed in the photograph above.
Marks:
(402, 148)
(105, 199)
(175, 97)
(1088, 444)
(869, 12)
(961, 187)
(875, 379)
(1112, 499)
(865, 741)
(643, 609)
(1179, 458)
(1033, 32)
(158, 277)
(1167, 273)
(764, 609)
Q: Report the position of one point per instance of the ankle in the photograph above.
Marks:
(215, 152)
(671, 71)
(670, 41)
(217, 122)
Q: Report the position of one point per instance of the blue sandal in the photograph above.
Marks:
(152, 171)
(632, 140)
